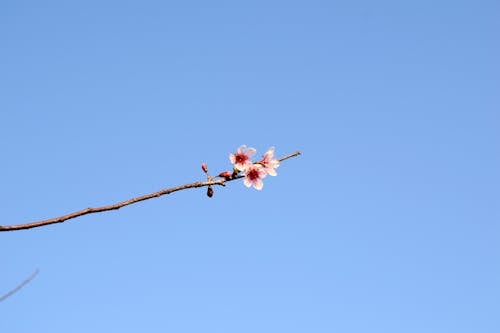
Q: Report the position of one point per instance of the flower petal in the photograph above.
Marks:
(271, 172)
(247, 182)
(250, 152)
(258, 184)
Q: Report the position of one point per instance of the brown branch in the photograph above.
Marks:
(22, 284)
(210, 182)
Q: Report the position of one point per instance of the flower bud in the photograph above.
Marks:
(210, 192)
(226, 175)
(204, 167)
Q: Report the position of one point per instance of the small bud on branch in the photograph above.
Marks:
(204, 167)
(210, 191)
(227, 175)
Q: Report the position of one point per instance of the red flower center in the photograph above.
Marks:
(253, 174)
(240, 158)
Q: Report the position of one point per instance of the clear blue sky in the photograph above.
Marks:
(388, 222)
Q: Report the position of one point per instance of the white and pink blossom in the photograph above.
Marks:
(253, 176)
(269, 162)
(241, 159)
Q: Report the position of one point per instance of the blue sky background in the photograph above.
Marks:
(388, 222)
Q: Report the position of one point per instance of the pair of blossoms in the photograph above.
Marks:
(253, 172)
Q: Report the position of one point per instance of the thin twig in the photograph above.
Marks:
(22, 284)
(90, 210)
(297, 153)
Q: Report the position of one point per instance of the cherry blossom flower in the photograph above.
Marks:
(253, 176)
(269, 162)
(241, 159)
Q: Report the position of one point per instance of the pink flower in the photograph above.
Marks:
(269, 162)
(253, 176)
(241, 159)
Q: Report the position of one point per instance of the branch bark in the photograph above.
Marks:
(90, 210)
